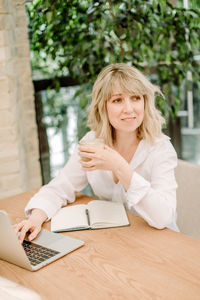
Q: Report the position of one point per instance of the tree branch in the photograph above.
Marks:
(41, 85)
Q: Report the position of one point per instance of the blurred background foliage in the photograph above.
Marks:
(71, 41)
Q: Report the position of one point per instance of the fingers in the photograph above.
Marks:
(91, 161)
(24, 227)
(33, 234)
(89, 168)
(23, 232)
(85, 156)
(86, 149)
(18, 227)
(97, 154)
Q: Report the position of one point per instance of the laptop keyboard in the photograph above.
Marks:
(36, 253)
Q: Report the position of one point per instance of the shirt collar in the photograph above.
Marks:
(143, 150)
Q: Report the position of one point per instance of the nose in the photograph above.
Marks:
(128, 106)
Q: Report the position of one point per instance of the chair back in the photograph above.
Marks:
(188, 198)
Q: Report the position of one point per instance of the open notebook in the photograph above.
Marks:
(96, 214)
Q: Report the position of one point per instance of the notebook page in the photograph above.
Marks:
(70, 217)
(107, 213)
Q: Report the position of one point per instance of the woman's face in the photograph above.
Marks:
(125, 111)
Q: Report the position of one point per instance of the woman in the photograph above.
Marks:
(136, 165)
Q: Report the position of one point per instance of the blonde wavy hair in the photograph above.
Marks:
(130, 80)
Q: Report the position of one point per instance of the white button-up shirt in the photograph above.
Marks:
(151, 194)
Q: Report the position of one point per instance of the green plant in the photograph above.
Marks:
(78, 38)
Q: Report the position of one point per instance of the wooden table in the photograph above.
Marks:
(136, 262)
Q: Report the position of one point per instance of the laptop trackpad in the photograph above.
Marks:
(46, 238)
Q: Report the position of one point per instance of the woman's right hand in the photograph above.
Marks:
(32, 225)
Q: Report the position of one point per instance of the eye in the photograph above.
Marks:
(136, 98)
(118, 100)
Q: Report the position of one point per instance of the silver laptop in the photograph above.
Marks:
(46, 248)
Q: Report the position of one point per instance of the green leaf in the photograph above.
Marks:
(78, 38)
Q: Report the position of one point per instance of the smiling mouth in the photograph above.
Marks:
(128, 118)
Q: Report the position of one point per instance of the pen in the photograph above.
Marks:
(88, 216)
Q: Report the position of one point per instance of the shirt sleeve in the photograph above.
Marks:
(155, 199)
(61, 189)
